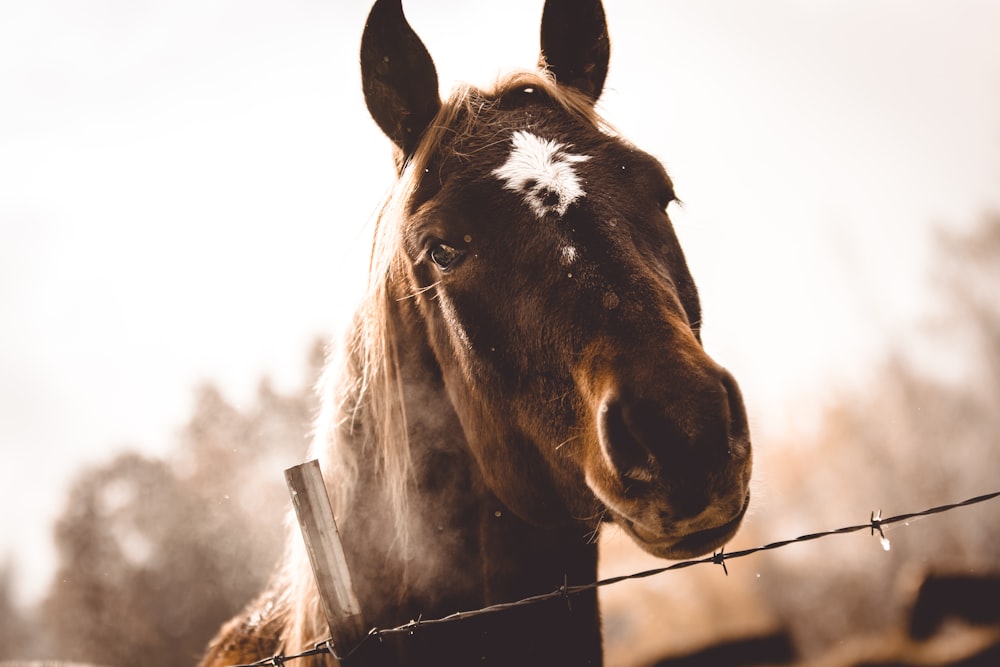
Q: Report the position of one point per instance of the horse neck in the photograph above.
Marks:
(463, 549)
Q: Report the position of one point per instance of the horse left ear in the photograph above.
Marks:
(575, 44)
(397, 77)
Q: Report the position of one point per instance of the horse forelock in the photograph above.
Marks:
(467, 113)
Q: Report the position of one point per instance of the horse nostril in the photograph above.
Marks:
(623, 451)
(739, 428)
(642, 437)
(635, 438)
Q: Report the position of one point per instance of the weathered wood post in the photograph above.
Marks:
(329, 565)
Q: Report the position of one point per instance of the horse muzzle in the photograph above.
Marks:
(672, 461)
(700, 537)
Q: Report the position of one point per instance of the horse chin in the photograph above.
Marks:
(691, 545)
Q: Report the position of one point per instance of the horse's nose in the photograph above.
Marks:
(681, 434)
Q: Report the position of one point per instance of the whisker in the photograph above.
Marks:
(420, 291)
(593, 535)
(567, 441)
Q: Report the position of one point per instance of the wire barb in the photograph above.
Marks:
(564, 591)
(413, 624)
(876, 524)
(719, 558)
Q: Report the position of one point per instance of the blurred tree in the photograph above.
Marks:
(155, 555)
(105, 538)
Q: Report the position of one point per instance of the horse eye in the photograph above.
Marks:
(443, 255)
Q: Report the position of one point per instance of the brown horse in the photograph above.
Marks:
(526, 364)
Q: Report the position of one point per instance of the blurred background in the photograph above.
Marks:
(185, 197)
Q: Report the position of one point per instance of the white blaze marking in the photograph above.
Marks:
(542, 171)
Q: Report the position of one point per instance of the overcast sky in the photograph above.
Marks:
(185, 187)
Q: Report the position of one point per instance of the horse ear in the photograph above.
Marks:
(397, 76)
(575, 44)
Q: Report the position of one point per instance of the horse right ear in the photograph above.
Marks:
(398, 77)
(575, 44)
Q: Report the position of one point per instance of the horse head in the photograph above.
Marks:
(527, 363)
(535, 255)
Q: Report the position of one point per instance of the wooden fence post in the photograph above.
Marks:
(326, 555)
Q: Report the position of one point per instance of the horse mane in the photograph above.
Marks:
(362, 415)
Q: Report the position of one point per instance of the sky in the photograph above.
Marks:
(186, 189)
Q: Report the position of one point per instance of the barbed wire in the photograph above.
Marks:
(875, 525)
